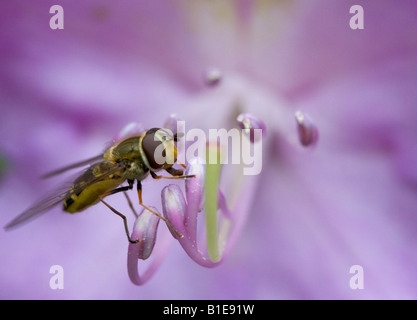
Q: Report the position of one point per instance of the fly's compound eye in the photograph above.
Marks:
(159, 148)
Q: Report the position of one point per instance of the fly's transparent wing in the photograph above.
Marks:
(60, 194)
(43, 205)
(73, 166)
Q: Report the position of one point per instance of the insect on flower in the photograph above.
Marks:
(129, 159)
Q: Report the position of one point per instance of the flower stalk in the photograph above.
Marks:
(212, 200)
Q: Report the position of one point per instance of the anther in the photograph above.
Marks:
(212, 76)
(307, 131)
(253, 127)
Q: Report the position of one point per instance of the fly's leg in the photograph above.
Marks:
(117, 190)
(130, 204)
(139, 189)
(182, 165)
(176, 174)
(124, 189)
(120, 189)
(124, 221)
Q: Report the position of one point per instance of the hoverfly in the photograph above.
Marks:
(131, 159)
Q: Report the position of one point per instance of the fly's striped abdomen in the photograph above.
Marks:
(90, 195)
(80, 198)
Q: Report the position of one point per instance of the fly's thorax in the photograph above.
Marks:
(157, 148)
(127, 149)
(135, 169)
(127, 154)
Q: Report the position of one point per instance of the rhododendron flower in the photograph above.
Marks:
(332, 212)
